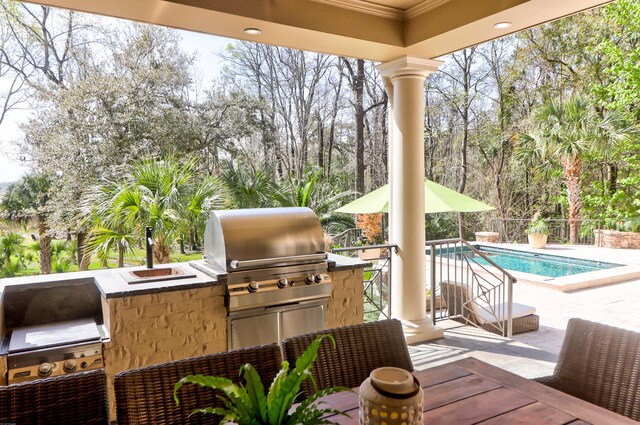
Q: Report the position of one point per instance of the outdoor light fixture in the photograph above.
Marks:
(502, 25)
(253, 31)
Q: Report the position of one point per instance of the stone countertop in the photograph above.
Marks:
(113, 283)
(340, 262)
(116, 284)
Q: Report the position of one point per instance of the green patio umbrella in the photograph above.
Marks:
(437, 199)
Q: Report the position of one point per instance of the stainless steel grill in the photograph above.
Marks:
(275, 267)
(54, 328)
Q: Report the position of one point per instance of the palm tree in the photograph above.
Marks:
(11, 257)
(102, 207)
(194, 207)
(321, 196)
(248, 187)
(25, 200)
(564, 133)
(163, 194)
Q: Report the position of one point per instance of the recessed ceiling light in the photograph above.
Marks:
(253, 31)
(502, 25)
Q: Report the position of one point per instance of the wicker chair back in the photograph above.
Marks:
(145, 395)
(600, 364)
(79, 398)
(359, 350)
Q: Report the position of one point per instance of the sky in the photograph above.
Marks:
(208, 48)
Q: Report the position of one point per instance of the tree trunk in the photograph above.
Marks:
(320, 142)
(45, 246)
(120, 255)
(161, 251)
(612, 176)
(83, 257)
(572, 181)
(358, 89)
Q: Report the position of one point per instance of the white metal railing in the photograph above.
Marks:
(377, 278)
(479, 291)
(471, 288)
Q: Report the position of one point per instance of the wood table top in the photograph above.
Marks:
(470, 391)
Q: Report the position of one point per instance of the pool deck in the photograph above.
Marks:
(534, 354)
(628, 258)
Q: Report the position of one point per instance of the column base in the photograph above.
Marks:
(420, 330)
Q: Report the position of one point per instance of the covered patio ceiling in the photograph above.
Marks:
(380, 30)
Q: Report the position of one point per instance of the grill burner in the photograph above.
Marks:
(54, 328)
(54, 349)
(276, 272)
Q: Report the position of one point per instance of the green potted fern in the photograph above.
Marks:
(248, 405)
(537, 232)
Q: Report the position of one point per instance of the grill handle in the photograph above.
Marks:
(265, 262)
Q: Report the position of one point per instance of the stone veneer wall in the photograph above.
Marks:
(156, 328)
(346, 306)
(3, 370)
(616, 239)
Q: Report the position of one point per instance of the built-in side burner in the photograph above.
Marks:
(41, 351)
(52, 328)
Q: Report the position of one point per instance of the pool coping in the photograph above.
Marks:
(572, 282)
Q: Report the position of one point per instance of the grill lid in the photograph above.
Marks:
(254, 238)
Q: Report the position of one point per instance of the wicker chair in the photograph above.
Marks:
(359, 350)
(79, 398)
(600, 364)
(462, 308)
(145, 395)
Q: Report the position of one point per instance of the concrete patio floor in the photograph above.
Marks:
(534, 354)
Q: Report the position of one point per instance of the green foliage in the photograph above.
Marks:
(538, 226)
(12, 259)
(166, 194)
(621, 53)
(62, 256)
(247, 404)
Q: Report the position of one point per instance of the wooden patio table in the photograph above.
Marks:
(470, 391)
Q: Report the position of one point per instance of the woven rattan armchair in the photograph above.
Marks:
(145, 395)
(463, 308)
(600, 364)
(79, 398)
(359, 350)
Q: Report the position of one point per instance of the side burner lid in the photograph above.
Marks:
(53, 334)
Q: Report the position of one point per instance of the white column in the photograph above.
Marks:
(406, 204)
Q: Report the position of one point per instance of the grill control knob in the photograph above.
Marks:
(309, 279)
(69, 365)
(253, 286)
(45, 369)
(318, 278)
(283, 283)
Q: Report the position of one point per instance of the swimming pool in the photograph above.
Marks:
(539, 264)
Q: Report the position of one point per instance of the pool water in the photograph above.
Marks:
(540, 264)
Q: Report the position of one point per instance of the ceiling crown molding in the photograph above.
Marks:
(423, 7)
(367, 7)
(370, 8)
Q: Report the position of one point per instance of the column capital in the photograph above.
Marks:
(407, 66)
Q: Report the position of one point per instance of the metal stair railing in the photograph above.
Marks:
(481, 287)
(377, 278)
